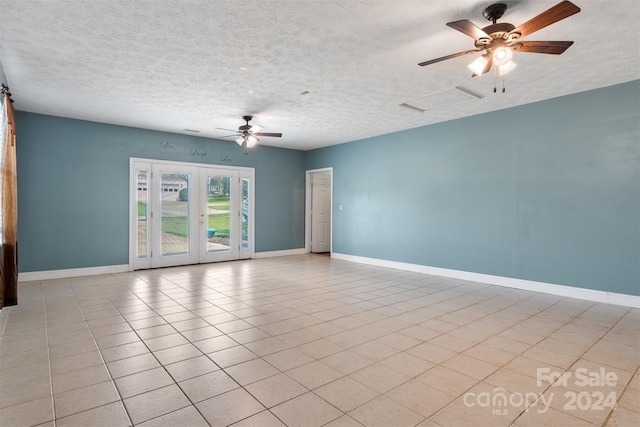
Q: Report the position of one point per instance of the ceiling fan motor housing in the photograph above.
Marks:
(247, 126)
(496, 31)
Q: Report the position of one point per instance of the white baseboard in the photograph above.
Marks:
(528, 285)
(71, 272)
(109, 269)
(271, 254)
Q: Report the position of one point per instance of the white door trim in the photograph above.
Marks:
(307, 208)
(133, 160)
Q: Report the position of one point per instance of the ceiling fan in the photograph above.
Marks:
(247, 134)
(498, 41)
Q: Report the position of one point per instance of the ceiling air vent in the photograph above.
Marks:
(456, 95)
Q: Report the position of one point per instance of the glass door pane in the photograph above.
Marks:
(174, 215)
(140, 215)
(246, 214)
(142, 187)
(174, 208)
(221, 208)
(218, 212)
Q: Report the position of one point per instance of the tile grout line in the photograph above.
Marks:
(101, 358)
(156, 358)
(523, 320)
(319, 291)
(5, 320)
(223, 369)
(575, 362)
(207, 356)
(370, 339)
(46, 331)
(390, 331)
(617, 405)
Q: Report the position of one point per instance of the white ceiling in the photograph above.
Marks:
(172, 65)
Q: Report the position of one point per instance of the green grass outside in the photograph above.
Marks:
(214, 201)
(218, 201)
(178, 225)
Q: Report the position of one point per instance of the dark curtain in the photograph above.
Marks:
(9, 257)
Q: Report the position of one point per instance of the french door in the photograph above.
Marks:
(184, 213)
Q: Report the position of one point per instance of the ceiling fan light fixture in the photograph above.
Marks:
(500, 39)
(502, 55)
(247, 135)
(505, 68)
(251, 141)
(478, 65)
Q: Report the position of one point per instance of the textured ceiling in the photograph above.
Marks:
(172, 65)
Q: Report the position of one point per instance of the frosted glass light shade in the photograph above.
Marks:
(251, 141)
(502, 55)
(478, 65)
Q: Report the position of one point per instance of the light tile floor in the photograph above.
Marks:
(311, 341)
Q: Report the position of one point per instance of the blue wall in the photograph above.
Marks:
(73, 186)
(548, 191)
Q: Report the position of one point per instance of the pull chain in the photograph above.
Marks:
(495, 85)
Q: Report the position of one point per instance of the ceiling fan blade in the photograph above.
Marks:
(556, 13)
(227, 136)
(230, 130)
(277, 135)
(487, 67)
(444, 58)
(551, 47)
(469, 28)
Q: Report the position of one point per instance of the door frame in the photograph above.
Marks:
(133, 207)
(307, 208)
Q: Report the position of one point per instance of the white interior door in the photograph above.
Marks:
(321, 212)
(186, 214)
